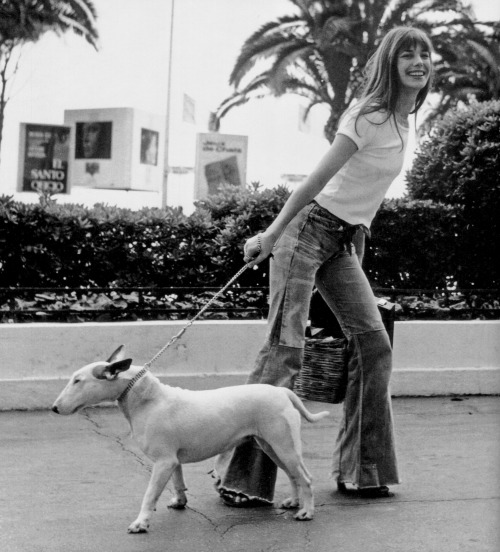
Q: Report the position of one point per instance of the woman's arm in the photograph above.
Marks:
(334, 159)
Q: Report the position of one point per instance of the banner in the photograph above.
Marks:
(220, 159)
(43, 158)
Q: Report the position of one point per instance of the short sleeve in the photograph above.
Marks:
(360, 131)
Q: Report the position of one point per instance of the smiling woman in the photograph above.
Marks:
(414, 67)
(313, 240)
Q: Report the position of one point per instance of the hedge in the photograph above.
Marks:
(414, 243)
(459, 165)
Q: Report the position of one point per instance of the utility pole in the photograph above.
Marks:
(167, 114)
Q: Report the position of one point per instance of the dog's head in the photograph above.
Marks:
(93, 384)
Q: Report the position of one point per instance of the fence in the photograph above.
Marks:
(37, 304)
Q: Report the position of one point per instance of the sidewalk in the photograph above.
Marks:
(73, 484)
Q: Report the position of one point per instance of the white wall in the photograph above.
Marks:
(430, 358)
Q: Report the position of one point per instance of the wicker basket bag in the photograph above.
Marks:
(323, 376)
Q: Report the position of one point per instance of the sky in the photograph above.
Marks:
(131, 70)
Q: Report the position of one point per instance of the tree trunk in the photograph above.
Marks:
(5, 57)
(338, 68)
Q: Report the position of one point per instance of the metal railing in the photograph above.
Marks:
(70, 304)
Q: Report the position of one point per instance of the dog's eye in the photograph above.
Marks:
(75, 381)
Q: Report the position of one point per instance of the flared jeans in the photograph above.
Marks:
(311, 251)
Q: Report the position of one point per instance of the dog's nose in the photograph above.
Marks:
(55, 409)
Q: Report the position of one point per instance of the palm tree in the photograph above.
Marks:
(320, 51)
(468, 66)
(23, 21)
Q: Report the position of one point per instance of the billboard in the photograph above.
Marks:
(116, 148)
(220, 159)
(44, 152)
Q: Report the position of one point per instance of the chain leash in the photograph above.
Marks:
(190, 323)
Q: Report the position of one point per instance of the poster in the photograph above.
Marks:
(93, 140)
(220, 159)
(149, 146)
(43, 158)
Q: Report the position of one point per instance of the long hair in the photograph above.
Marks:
(382, 84)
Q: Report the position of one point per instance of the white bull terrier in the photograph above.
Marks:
(175, 426)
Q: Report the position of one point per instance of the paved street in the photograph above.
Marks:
(73, 484)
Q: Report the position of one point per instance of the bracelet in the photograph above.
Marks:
(259, 244)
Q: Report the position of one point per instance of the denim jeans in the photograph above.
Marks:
(311, 252)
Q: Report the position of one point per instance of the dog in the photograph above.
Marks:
(175, 426)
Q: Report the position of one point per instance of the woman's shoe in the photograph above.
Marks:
(368, 492)
(235, 500)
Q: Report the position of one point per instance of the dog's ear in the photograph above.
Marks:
(111, 371)
(117, 355)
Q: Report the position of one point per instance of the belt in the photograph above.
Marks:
(347, 230)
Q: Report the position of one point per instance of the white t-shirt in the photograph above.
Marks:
(355, 193)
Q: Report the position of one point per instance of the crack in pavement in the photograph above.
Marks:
(98, 429)
(214, 525)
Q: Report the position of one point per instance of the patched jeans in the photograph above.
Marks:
(311, 252)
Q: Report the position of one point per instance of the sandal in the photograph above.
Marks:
(368, 492)
(239, 500)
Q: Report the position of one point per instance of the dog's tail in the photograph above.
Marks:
(299, 405)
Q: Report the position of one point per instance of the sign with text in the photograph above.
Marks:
(220, 159)
(43, 158)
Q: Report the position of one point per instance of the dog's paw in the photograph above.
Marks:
(289, 503)
(304, 514)
(138, 527)
(177, 503)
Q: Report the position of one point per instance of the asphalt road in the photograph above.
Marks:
(73, 484)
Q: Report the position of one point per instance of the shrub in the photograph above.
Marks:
(412, 245)
(415, 243)
(238, 216)
(71, 245)
(51, 245)
(459, 165)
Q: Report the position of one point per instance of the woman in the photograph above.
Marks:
(311, 241)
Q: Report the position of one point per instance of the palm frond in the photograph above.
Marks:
(342, 33)
(282, 26)
(301, 88)
(316, 69)
(258, 88)
(28, 21)
(307, 9)
(288, 58)
(320, 51)
(268, 47)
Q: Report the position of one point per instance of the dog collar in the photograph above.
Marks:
(131, 383)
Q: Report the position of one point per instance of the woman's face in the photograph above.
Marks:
(414, 68)
(90, 139)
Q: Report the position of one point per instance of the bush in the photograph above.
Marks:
(459, 165)
(71, 245)
(51, 245)
(413, 245)
(416, 244)
(239, 215)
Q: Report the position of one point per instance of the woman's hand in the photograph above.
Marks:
(258, 248)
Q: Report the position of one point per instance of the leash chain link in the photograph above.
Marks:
(190, 323)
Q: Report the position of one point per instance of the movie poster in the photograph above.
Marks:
(93, 140)
(220, 159)
(43, 158)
